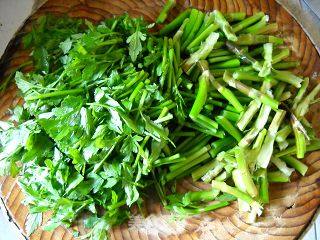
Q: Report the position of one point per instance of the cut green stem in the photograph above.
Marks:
(176, 23)
(165, 10)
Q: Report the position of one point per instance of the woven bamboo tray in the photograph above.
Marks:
(292, 205)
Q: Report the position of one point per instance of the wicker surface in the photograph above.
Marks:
(292, 204)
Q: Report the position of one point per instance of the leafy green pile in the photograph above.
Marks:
(112, 109)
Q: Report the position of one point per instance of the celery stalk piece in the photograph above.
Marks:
(285, 96)
(222, 177)
(221, 144)
(284, 53)
(201, 95)
(247, 116)
(189, 157)
(260, 139)
(282, 166)
(247, 22)
(249, 91)
(177, 36)
(247, 76)
(224, 25)
(202, 36)
(258, 126)
(267, 64)
(240, 184)
(194, 30)
(175, 173)
(313, 146)
(301, 92)
(266, 151)
(249, 39)
(287, 77)
(296, 164)
(283, 145)
(212, 173)
(303, 106)
(235, 16)
(255, 207)
(286, 65)
(301, 144)
(269, 28)
(165, 10)
(279, 90)
(244, 172)
(255, 28)
(228, 127)
(193, 17)
(201, 171)
(202, 53)
(264, 186)
(176, 23)
(277, 177)
(225, 92)
(244, 56)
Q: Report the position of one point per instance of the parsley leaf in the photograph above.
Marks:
(135, 46)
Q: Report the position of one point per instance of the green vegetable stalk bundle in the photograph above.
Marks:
(116, 108)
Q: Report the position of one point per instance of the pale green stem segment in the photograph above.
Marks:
(202, 36)
(224, 25)
(284, 53)
(247, 22)
(249, 91)
(165, 10)
(258, 126)
(247, 116)
(277, 177)
(201, 95)
(193, 18)
(202, 53)
(194, 30)
(251, 39)
(287, 77)
(213, 172)
(285, 96)
(313, 146)
(243, 55)
(55, 94)
(225, 92)
(283, 133)
(296, 164)
(256, 27)
(256, 208)
(303, 106)
(267, 64)
(266, 150)
(236, 16)
(301, 92)
(282, 166)
(260, 139)
(264, 186)
(240, 184)
(176, 23)
(283, 145)
(242, 166)
(229, 127)
(270, 28)
(301, 144)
